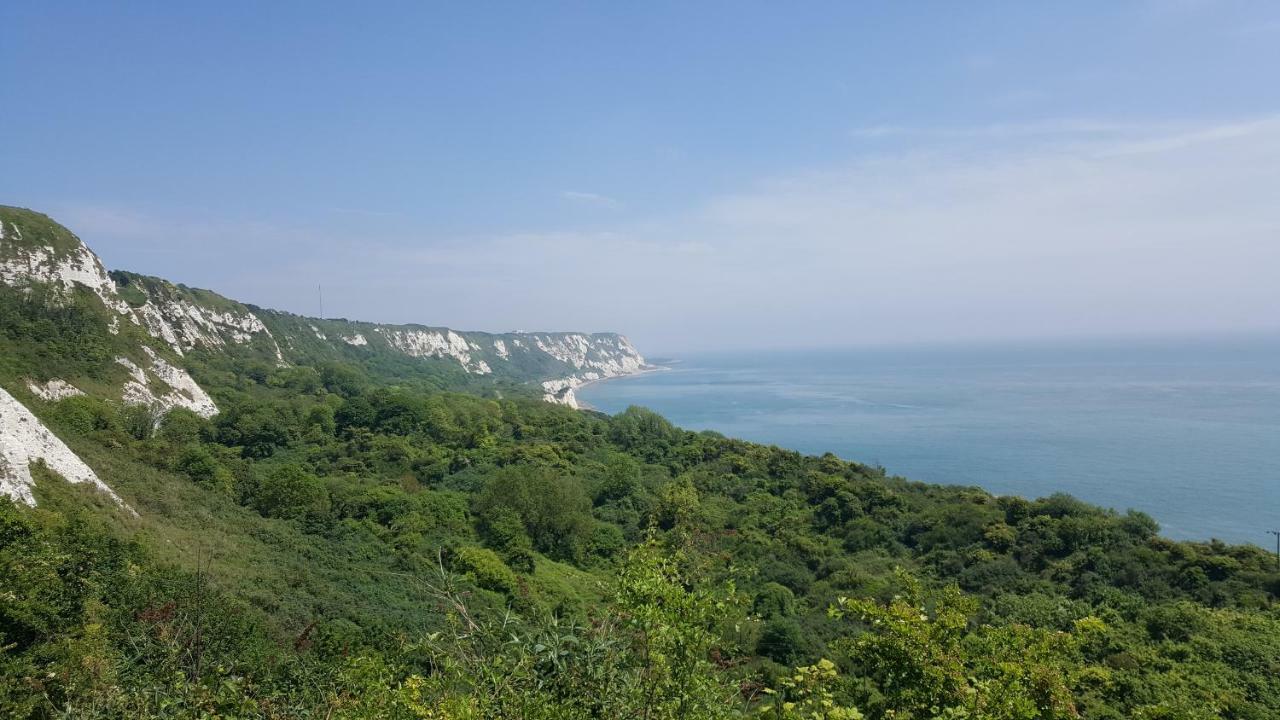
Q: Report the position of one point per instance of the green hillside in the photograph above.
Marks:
(360, 533)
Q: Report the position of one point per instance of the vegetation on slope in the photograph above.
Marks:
(344, 541)
(30, 230)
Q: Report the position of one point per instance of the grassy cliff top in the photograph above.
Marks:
(29, 229)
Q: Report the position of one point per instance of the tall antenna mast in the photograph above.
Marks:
(320, 292)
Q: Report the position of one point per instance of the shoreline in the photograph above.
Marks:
(584, 405)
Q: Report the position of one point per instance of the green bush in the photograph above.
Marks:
(774, 600)
(183, 427)
(487, 569)
(84, 414)
(204, 469)
(783, 641)
(289, 491)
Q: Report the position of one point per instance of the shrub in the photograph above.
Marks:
(182, 426)
(204, 469)
(289, 491)
(486, 569)
(84, 414)
(782, 641)
(774, 600)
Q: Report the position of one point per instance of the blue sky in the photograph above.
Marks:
(693, 174)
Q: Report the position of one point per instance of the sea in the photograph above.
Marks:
(1186, 430)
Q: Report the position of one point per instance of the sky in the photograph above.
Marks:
(696, 175)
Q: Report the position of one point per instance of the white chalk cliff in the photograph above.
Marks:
(185, 325)
(591, 358)
(185, 320)
(24, 264)
(182, 391)
(53, 390)
(24, 440)
(435, 343)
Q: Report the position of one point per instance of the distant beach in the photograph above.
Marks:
(646, 370)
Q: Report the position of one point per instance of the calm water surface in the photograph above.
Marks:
(1188, 432)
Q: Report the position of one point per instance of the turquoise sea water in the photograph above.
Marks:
(1188, 432)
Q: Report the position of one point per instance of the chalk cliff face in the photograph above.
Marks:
(592, 358)
(436, 343)
(38, 255)
(36, 252)
(154, 326)
(33, 249)
(188, 319)
(24, 440)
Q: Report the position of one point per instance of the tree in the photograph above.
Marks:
(289, 491)
(774, 600)
(782, 641)
(643, 432)
(553, 508)
(809, 695)
(182, 426)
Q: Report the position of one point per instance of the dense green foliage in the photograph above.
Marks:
(346, 540)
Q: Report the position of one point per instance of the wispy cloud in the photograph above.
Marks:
(590, 198)
(1080, 227)
(1197, 136)
(1039, 128)
(1054, 227)
(1150, 231)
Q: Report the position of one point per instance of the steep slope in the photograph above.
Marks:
(134, 338)
(190, 320)
(557, 361)
(40, 257)
(24, 440)
(93, 342)
(187, 319)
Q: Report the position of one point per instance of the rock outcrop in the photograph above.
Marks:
(25, 440)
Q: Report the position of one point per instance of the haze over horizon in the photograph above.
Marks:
(725, 176)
